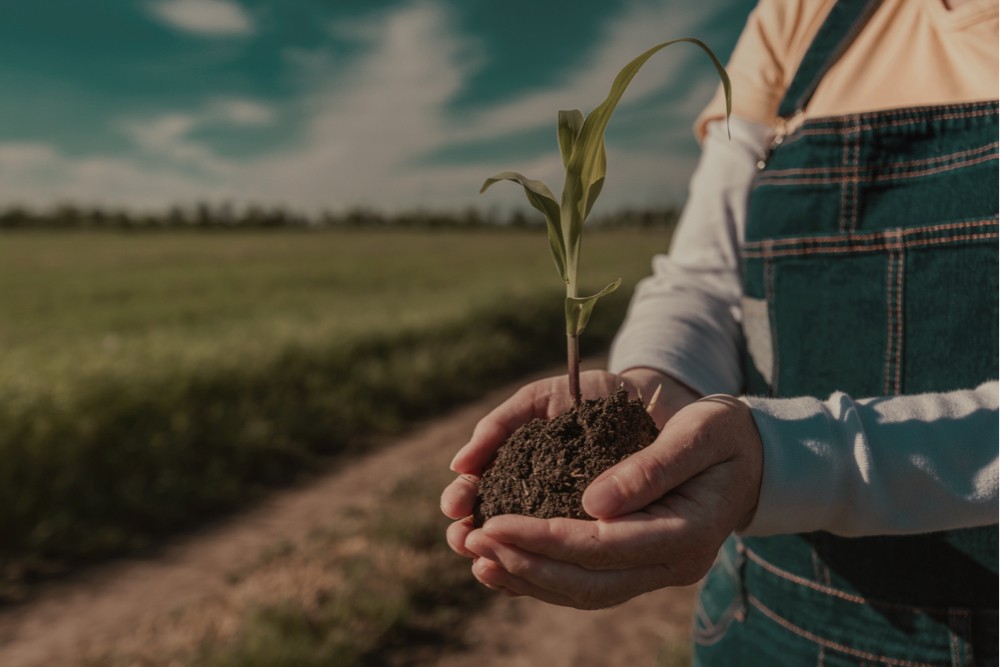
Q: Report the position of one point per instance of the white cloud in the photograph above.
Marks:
(24, 155)
(39, 175)
(370, 126)
(368, 123)
(644, 25)
(242, 112)
(165, 139)
(204, 17)
(168, 136)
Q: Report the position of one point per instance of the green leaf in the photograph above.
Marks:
(587, 165)
(581, 145)
(540, 197)
(569, 123)
(592, 194)
(579, 309)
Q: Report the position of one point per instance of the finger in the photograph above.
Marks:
(635, 540)
(531, 574)
(459, 497)
(685, 447)
(486, 438)
(457, 534)
(492, 575)
(534, 400)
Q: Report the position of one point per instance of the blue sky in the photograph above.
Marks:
(332, 104)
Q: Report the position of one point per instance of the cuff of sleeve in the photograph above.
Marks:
(798, 484)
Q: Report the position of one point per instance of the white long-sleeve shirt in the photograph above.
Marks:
(870, 466)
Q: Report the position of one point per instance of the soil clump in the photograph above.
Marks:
(544, 466)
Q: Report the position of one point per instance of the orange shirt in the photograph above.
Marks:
(910, 53)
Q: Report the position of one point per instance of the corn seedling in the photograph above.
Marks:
(581, 143)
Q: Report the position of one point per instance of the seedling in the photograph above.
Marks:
(581, 143)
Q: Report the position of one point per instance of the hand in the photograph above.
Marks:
(544, 399)
(662, 515)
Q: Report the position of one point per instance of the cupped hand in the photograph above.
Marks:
(544, 399)
(662, 515)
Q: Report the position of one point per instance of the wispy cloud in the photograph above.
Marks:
(243, 112)
(370, 129)
(167, 137)
(641, 26)
(367, 125)
(40, 175)
(367, 122)
(204, 17)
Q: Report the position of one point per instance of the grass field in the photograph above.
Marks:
(149, 379)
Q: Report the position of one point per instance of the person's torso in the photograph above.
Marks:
(870, 267)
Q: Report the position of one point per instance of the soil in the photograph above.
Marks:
(544, 466)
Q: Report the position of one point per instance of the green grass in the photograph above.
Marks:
(150, 380)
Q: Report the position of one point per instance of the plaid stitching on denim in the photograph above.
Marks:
(873, 242)
(846, 249)
(855, 177)
(895, 268)
(821, 573)
(870, 236)
(712, 633)
(890, 315)
(929, 112)
(828, 643)
(765, 565)
(845, 183)
(960, 623)
(872, 176)
(923, 162)
(805, 130)
(900, 287)
(878, 120)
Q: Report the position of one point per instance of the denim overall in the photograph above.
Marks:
(870, 267)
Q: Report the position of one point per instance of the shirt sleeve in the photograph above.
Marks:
(878, 466)
(684, 318)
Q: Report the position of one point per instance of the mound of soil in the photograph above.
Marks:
(544, 466)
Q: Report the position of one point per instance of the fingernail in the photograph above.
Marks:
(480, 546)
(458, 455)
(603, 497)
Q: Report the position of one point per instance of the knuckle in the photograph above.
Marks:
(598, 557)
(600, 553)
(519, 566)
(649, 472)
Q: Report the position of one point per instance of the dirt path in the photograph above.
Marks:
(647, 631)
(98, 603)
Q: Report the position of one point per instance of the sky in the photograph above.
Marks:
(336, 104)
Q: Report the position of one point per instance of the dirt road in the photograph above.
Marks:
(66, 617)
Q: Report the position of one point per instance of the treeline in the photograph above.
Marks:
(229, 217)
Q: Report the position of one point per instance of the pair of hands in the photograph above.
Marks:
(662, 514)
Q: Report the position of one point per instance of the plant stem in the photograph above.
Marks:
(573, 364)
(572, 332)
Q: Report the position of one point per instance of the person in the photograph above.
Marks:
(825, 333)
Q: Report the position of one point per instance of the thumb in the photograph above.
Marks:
(683, 449)
(629, 486)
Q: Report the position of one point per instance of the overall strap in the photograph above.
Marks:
(842, 25)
